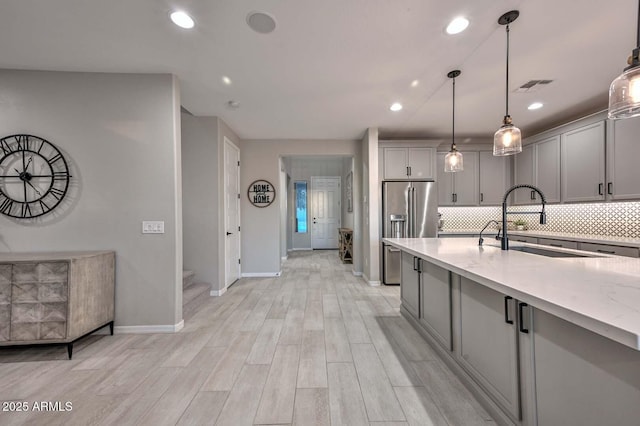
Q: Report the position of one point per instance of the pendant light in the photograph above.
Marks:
(624, 92)
(507, 140)
(453, 159)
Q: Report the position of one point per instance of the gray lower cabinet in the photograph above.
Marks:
(410, 284)
(582, 378)
(435, 302)
(488, 348)
(55, 297)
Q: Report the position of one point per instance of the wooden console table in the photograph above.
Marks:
(345, 244)
(48, 298)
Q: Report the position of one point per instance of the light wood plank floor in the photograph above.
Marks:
(316, 346)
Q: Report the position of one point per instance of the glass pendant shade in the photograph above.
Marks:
(624, 95)
(453, 161)
(507, 140)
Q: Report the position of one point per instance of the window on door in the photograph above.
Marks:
(301, 206)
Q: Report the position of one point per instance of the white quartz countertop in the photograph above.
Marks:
(601, 294)
(586, 238)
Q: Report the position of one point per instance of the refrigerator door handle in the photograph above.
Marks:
(414, 212)
(409, 210)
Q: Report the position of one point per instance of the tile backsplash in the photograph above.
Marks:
(607, 219)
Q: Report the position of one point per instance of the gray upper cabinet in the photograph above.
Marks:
(583, 163)
(408, 163)
(623, 151)
(459, 188)
(494, 178)
(539, 165)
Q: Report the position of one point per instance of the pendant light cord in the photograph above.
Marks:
(453, 121)
(506, 92)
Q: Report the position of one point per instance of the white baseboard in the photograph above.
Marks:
(356, 273)
(283, 258)
(148, 329)
(374, 283)
(261, 274)
(216, 293)
(300, 249)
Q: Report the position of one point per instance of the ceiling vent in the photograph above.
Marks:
(532, 86)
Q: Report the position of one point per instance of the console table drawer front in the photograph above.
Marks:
(40, 272)
(32, 331)
(38, 312)
(5, 274)
(5, 293)
(5, 321)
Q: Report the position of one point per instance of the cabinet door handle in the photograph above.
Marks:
(600, 188)
(520, 318)
(481, 197)
(415, 263)
(610, 188)
(555, 245)
(605, 251)
(455, 198)
(533, 195)
(506, 310)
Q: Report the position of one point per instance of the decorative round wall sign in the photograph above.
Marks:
(34, 176)
(261, 193)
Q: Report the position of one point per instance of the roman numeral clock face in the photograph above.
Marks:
(34, 176)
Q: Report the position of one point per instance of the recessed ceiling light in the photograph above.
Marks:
(535, 105)
(396, 107)
(182, 20)
(458, 25)
(415, 83)
(261, 22)
(226, 80)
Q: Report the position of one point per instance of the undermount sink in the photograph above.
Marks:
(550, 253)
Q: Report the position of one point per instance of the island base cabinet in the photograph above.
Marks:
(410, 284)
(582, 378)
(435, 303)
(488, 348)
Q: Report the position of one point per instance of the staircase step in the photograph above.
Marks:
(187, 278)
(193, 297)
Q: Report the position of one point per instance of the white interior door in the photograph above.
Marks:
(231, 212)
(325, 212)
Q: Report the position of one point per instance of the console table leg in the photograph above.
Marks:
(70, 349)
(111, 327)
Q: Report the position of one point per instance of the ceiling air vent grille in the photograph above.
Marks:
(532, 86)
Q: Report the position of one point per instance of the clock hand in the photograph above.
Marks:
(34, 188)
(28, 162)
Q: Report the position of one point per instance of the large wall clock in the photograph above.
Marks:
(34, 176)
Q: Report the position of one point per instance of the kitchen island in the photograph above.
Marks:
(539, 340)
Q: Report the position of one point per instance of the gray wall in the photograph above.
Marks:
(121, 134)
(203, 196)
(261, 226)
(200, 196)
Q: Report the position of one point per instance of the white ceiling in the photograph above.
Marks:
(333, 67)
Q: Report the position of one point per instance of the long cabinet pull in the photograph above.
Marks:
(521, 306)
(555, 245)
(415, 268)
(610, 188)
(481, 197)
(506, 310)
(606, 251)
(600, 188)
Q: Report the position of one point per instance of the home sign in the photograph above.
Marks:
(261, 193)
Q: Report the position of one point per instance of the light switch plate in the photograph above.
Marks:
(153, 226)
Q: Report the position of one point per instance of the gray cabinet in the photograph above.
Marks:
(582, 378)
(522, 238)
(623, 151)
(435, 302)
(558, 243)
(410, 284)
(539, 165)
(55, 298)
(408, 163)
(610, 249)
(494, 178)
(488, 343)
(583, 163)
(459, 188)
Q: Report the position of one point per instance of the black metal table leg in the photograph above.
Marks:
(70, 349)
(111, 327)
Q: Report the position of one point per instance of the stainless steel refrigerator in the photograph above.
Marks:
(409, 210)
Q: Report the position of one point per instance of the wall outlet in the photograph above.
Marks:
(153, 226)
